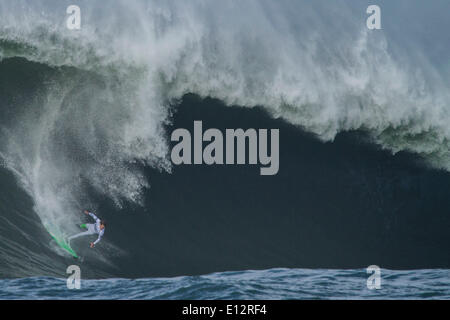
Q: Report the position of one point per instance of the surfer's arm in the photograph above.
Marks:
(93, 216)
(100, 235)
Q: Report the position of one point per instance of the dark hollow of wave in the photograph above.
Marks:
(344, 204)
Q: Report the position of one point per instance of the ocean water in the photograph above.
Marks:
(263, 284)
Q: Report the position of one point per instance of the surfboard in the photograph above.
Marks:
(60, 240)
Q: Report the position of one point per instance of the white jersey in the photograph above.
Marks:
(96, 228)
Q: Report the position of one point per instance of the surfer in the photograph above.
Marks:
(92, 228)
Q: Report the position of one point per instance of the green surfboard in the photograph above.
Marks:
(60, 240)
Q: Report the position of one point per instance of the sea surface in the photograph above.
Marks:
(262, 284)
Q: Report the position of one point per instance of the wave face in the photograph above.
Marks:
(85, 111)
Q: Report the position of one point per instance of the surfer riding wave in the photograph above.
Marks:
(92, 228)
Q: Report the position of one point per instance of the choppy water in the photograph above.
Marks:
(263, 284)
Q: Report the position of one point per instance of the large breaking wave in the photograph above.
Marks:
(102, 109)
